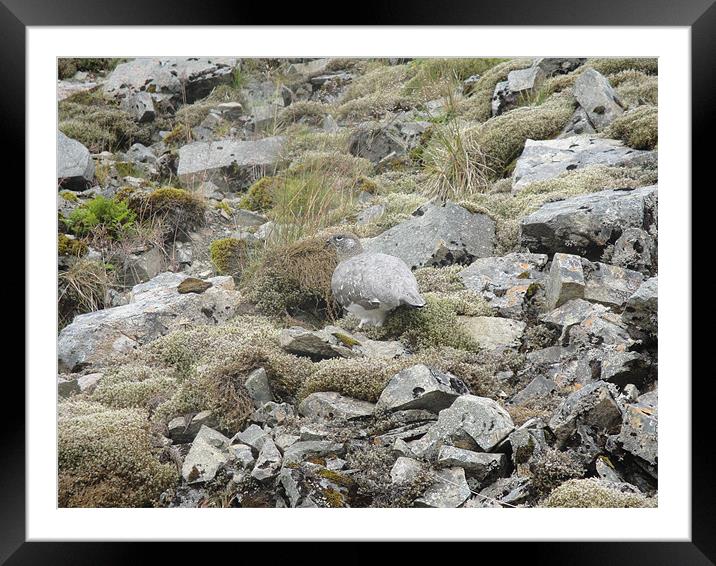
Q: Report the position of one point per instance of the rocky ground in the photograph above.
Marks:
(203, 361)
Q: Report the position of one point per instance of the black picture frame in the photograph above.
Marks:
(699, 15)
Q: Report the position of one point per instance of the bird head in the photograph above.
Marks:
(346, 245)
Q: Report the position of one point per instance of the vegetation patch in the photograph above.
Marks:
(591, 492)
(228, 255)
(638, 128)
(109, 214)
(82, 288)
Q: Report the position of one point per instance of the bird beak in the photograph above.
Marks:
(328, 243)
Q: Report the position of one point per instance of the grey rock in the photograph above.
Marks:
(253, 436)
(88, 382)
(208, 454)
(471, 422)
(243, 455)
(539, 388)
(565, 281)
(586, 224)
(559, 65)
(367, 215)
(283, 441)
(482, 466)
(450, 490)
(636, 249)
(578, 124)
(605, 470)
(187, 77)
(229, 110)
(230, 164)
(312, 485)
(420, 387)
(641, 310)
(593, 405)
(155, 309)
(258, 386)
(494, 333)
(405, 470)
(143, 266)
(594, 93)
(510, 491)
(75, 168)
(525, 443)
(610, 285)
(331, 405)
(314, 431)
(546, 159)
(333, 342)
(184, 429)
(140, 106)
(639, 432)
(502, 98)
(437, 235)
(504, 281)
(139, 153)
(67, 386)
(375, 142)
(243, 217)
(268, 462)
(571, 313)
(319, 448)
(309, 68)
(524, 81)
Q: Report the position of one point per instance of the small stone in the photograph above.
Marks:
(565, 280)
(208, 453)
(611, 285)
(140, 106)
(87, 383)
(258, 387)
(268, 462)
(254, 436)
(273, 414)
(494, 333)
(539, 388)
(405, 470)
(312, 448)
(482, 466)
(594, 93)
(193, 285)
(243, 455)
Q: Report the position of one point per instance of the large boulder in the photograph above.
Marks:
(593, 405)
(75, 168)
(330, 405)
(492, 332)
(437, 236)
(376, 142)
(587, 224)
(639, 433)
(641, 309)
(185, 78)
(230, 164)
(155, 309)
(598, 99)
(542, 160)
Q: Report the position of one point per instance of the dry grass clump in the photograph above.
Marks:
(635, 88)
(551, 468)
(99, 123)
(433, 76)
(613, 65)
(462, 161)
(180, 211)
(191, 115)
(294, 278)
(82, 288)
(67, 66)
(478, 106)
(638, 128)
(106, 458)
(308, 112)
(301, 138)
(592, 492)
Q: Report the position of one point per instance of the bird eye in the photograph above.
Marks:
(339, 238)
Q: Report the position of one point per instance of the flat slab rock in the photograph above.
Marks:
(450, 490)
(193, 77)
(331, 405)
(584, 225)
(542, 160)
(155, 309)
(334, 342)
(229, 164)
(438, 236)
(494, 333)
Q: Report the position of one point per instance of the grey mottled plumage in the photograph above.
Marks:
(370, 284)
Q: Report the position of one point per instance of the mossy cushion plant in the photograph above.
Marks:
(67, 246)
(228, 255)
(259, 197)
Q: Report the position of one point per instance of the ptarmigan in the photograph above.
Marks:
(370, 284)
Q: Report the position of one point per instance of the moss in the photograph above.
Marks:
(346, 339)
(126, 169)
(638, 128)
(434, 325)
(135, 386)
(179, 135)
(180, 210)
(334, 498)
(228, 255)
(592, 492)
(259, 197)
(106, 459)
(224, 206)
(293, 278)
(67, 246)
(193, 285)
(69, 196)
(336, 477)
